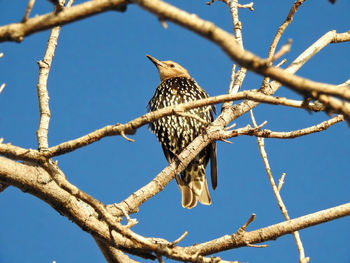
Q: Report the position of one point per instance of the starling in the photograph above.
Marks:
(175, 132)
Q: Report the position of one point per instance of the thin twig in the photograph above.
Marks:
(230, 127)
(283, 27)
(279, 34)
(257, 246)
(277, 194)
(122, 133)
(298, 133)
(224, 140)
(236, 79)
(258, 132)
(29, 8)
(249, 221)
(249, 6)
(281, 63)
(163, 23)
(173, 244)
(281, 182)
(284, 49)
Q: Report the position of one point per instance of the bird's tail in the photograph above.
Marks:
(193, 186)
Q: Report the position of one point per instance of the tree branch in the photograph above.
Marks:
(233, 49)
(17, 31)
(18, 153)
(271, 232)
(43, 95)
(294, 134)
(204, 28)
(276, 192)
(38, 182)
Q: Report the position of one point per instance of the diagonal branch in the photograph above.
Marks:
(17, 31)
(283, 27)
(36, 181)
(28, 9)
(233, 49)
(204, 28)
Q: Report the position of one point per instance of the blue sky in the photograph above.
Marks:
(100, 76)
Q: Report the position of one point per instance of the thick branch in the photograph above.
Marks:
(38, 182)
(232, 48)
(271, 232)
(17, 31)
(204, 28)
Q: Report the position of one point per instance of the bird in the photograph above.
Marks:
(175, 132)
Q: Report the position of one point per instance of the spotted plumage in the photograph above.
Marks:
(175, 132)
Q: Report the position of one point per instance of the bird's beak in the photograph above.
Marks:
(155, 61)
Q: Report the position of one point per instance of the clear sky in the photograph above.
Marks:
(100, 76)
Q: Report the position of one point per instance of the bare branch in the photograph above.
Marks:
(284, 49)
(233, 49)
(18, 153)
(204, 28)
(122, 133)
(131, 127)
(277, 193)
(179, 239)
(281, 182)
(293, 134)
(38, 182)
(236, 79)
(250, 220)
(29, 8)
(17, 31)
(43, 95)
(283, 27)
(281, 63)
(249, 6)
(271, 232)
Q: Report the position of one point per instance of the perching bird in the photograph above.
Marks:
(175, 132)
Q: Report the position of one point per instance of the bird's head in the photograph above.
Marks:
(169, 69)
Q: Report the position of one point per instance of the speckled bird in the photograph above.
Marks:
(175, 132)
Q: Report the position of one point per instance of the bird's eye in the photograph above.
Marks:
(172, 65)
